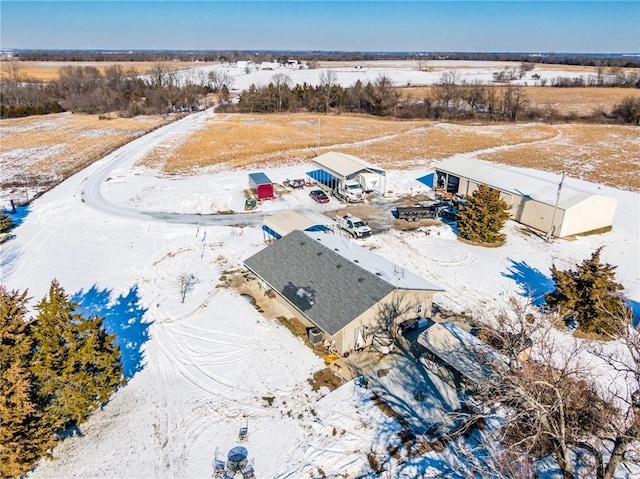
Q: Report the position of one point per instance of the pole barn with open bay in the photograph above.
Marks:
(539, 200)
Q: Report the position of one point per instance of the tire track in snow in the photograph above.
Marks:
(126, 156)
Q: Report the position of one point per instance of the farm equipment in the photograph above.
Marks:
(250, 203)
(297, 183)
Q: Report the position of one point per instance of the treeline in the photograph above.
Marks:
(88, 90)
(259, 56)
(449, 99)
(55, 369)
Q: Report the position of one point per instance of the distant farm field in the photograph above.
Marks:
(600, 153)
(566, 101)
(61, 144)
(47, 71)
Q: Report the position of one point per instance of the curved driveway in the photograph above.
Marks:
(127, 155)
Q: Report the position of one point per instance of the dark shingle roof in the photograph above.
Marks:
(329, 289)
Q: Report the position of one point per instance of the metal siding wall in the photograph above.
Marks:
(538, 215)
(592, 214)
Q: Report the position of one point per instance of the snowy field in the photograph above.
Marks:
(401, 73)
(117, 237)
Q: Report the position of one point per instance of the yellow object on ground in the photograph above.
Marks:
(331, 358)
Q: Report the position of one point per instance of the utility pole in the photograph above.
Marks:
(555, 210)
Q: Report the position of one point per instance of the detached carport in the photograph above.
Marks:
(281, 224)
(334, 168)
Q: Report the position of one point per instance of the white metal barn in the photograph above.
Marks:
(535, 201)
(281, 224)
(341, 167)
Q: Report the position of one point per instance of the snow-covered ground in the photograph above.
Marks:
(401, 73)
(199, 369)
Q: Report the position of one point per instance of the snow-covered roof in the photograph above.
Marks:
(513, 181)
(393, 274)
(342, 165)
(461, 350)
(287, 221)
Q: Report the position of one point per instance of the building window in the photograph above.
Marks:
(419, 309)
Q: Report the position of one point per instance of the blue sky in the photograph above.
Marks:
(484, 26)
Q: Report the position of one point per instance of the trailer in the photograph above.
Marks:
(418, 212)
(262, 185)
(415, 213)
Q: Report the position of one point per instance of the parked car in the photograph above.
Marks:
(319, 196)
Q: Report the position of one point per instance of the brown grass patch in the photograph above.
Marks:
(564, 101)
(325, 378)
(578, 101)
(243, 140)
(600, 153)
(47, 71)
(436, 141)
(62, 144)
(293, 325)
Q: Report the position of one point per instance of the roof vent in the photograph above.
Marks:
(360, 280)
(338, 266)
(378, 273)
(319, 253)
(302, 243)
(356, 261)
(336, 249)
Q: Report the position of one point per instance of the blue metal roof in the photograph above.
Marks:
(260, 178)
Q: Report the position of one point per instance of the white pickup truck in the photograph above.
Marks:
(354, 225)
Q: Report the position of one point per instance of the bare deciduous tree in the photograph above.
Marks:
(187, 282)
(623, 392)
(423, 66)
(550, 403)
(281, 84)
(328, 82)
(219, 79)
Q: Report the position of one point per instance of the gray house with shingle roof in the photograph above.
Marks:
(345, 290)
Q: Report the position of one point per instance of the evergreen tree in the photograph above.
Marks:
(483, 216)
(22, 436)
(588, 295)
(75, 362)
(5, 223)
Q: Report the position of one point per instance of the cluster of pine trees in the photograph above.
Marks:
(587, 295)
(377, 98)
(55, 369)
(448, 99)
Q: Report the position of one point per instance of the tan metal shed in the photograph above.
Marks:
(536, 199)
